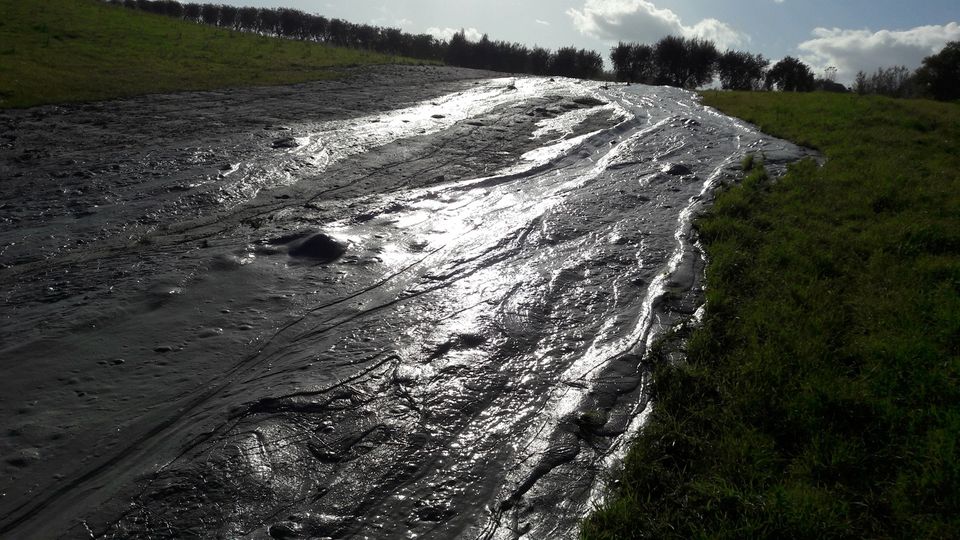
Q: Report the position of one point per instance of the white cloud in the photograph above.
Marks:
(642, 21)
(447, 33)
(722, 34)
(778, 1)
(544, 23)
(854, 50)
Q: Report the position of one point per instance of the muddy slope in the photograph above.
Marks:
(411, 302)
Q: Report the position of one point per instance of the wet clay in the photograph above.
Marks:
(414, 301)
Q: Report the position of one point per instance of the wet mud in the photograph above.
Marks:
(411, 303)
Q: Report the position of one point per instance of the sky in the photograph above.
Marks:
(850, 35)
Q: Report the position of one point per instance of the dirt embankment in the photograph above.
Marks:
(413, 300)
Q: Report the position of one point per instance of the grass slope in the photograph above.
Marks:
(821, 397)
(54, 51)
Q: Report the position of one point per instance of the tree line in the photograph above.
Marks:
(693, 62)
(938, 77)
(458, 51)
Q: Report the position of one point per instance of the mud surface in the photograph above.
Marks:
(411, 303)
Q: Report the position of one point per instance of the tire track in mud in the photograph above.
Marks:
(484, 346)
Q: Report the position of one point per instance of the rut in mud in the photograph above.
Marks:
(428, 318)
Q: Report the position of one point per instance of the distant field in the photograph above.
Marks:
(821, 397)
(54, 51)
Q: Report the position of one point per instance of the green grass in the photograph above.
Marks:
(821, 397)
(54, 51)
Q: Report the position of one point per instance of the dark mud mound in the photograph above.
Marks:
(318, 247)
(307, 244)
(588, 101)
(285, 142)
(677, 169)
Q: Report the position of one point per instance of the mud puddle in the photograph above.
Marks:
(422, 320)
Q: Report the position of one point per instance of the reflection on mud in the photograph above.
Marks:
(432, 324)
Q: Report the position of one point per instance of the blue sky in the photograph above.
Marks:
(848, 34)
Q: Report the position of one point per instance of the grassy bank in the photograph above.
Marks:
(54, 51)
(821, 398)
